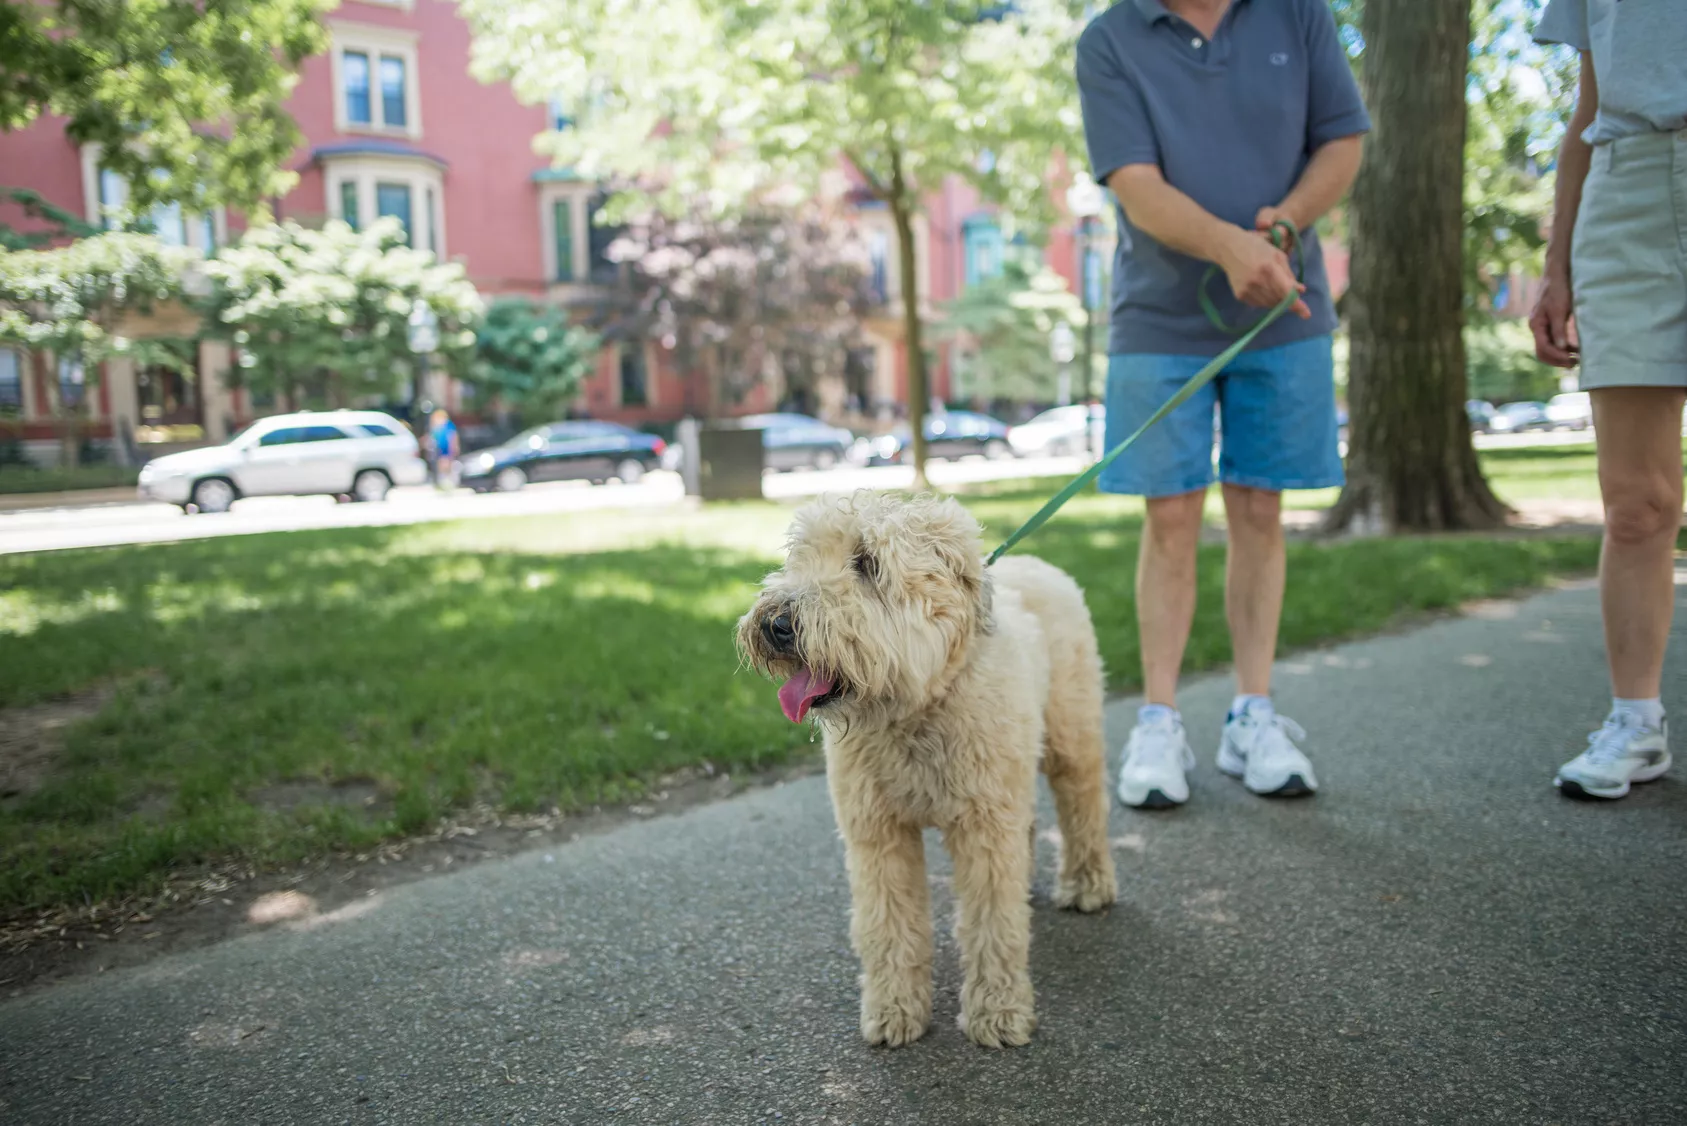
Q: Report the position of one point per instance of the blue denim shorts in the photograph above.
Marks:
(1278, 412)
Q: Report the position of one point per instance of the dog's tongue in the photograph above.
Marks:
(798, 694)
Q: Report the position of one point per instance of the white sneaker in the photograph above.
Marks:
(1258, 747)
(1157, 759)
(1625, 750)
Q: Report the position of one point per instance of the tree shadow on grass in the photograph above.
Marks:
(520, 679)
(523, 680)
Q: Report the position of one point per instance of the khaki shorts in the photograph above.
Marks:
(1628, 264)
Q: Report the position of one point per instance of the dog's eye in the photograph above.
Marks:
(866, 565)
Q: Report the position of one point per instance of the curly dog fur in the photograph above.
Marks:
(940, 685)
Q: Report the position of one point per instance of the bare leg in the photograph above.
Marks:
(1165, 590)
(1253, 583)
(1638, 430)
(993, 926)
(890, 926)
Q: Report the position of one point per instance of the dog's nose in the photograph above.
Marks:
(780, 633)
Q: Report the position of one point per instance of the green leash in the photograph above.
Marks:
(1281, 233)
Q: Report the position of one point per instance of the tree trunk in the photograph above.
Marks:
(1411, 465)
(901, 203)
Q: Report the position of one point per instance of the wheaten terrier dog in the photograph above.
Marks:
(939, 686)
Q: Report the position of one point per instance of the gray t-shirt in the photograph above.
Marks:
(1639, 52)
(1231, 123)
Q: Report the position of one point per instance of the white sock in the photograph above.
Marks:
(1151, 713)
(1243, 702)
(1650, 712)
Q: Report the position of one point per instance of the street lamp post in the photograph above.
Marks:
(1084, 199)
(422, 329)
(1061, 349)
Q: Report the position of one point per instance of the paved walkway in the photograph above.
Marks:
(1438, 937)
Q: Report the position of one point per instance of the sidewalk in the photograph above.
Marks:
(1437, 937)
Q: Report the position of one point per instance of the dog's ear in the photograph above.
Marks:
(955, 538)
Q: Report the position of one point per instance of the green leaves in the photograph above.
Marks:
(330, 307)
(184, 96)
(1002, 327)
(531, 358)
(722, 100)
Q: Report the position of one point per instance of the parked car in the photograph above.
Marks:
(1572, 410)
(360, 454)
(1481, 415)
(1514, 418)
(564, 451)
(950, 436)
(796, 441)
(1060, 432)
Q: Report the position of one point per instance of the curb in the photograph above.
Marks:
(75, 498)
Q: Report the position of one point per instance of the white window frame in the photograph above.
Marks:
(402, 5)
(366, 170)
(192, 227)
(579, 195)
(376, 41)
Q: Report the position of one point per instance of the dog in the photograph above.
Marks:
(939, 685)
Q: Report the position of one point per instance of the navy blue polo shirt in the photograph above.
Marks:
(1231, 123)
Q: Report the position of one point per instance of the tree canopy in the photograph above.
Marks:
(73, 300)
(183, 96)
(530, 359)
(739, 294)
(328, 310)
(728, 100)
(1002, 327)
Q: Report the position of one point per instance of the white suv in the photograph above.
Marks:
(360, 454)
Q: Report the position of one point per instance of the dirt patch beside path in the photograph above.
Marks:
(32, 736)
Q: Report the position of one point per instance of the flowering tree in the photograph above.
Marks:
(738, 295)
(326, 311)
(80, 303)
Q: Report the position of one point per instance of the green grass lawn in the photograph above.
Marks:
(526, 662)
(30, 479)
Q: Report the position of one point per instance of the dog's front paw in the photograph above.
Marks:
(999, 1021)
(1087, 890)
(894, 1025)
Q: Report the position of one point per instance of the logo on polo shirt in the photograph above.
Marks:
(1279, 58)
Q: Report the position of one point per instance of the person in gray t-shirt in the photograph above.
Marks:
(1212, 121)
(1614, 300)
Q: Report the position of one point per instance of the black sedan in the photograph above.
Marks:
(950, 436)
(796, 441)
(564, 451)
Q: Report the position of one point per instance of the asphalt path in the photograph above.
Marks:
(1437, 937)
